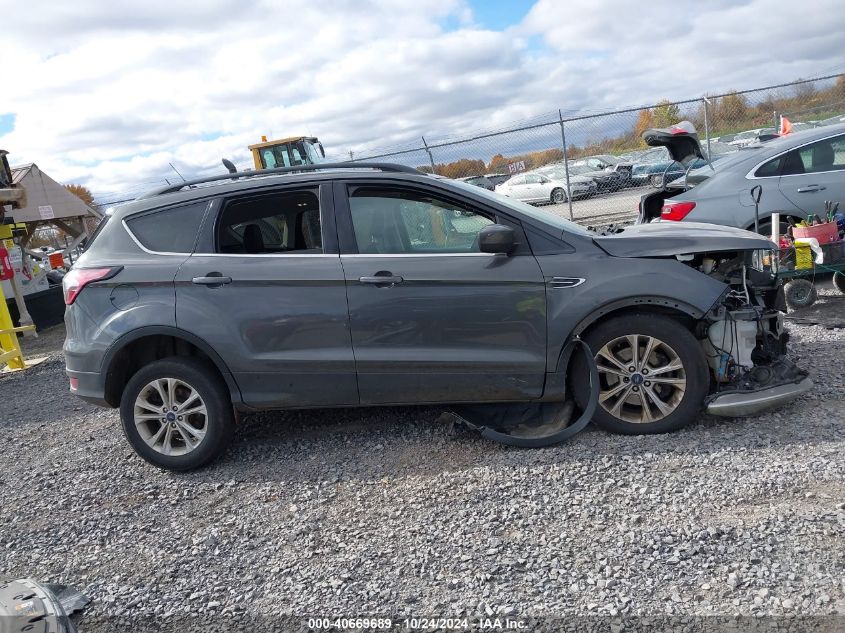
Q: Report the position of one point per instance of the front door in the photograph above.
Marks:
(433, 319)
(265, 289)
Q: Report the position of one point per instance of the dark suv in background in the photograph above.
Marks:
(376, 284)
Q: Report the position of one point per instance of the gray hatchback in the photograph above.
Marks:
(374, 284)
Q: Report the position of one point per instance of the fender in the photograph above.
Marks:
(555, 387)
(175, 332)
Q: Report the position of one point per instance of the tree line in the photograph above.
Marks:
(727, 114)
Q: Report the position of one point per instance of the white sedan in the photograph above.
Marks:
(538, 188)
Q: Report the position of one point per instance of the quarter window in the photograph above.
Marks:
(172, 230)
(389, 221)
(287, 222)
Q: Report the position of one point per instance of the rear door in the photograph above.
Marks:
(814, 173)
(432, 318)
(265, 289)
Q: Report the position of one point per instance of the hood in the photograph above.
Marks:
(681, 140)
(667, 239)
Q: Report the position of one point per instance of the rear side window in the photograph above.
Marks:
(284, 222)
(172, 230)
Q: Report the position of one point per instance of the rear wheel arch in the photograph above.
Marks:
(133, 351)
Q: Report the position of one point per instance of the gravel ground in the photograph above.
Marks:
(383, 511)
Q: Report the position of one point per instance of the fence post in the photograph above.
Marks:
(706, 126)
(565, 164)
(428, 151)
(775, 122)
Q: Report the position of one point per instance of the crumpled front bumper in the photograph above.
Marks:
(741, 403)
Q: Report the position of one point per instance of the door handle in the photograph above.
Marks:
(382, 278)
(212, 279)
(811, 188)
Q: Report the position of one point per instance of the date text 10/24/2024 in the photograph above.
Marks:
(417, 624)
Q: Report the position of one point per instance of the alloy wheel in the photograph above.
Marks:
(171, 416)
(642, 379)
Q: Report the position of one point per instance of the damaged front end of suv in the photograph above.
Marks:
(742, 335)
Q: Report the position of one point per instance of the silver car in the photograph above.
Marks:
(797, 173)
(535, 188)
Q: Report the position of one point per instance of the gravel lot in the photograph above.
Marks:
(383, 511)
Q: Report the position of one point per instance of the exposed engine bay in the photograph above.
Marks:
(742, 335)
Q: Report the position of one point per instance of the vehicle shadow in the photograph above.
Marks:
(335, 445)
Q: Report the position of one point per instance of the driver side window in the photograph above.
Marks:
(392, 221)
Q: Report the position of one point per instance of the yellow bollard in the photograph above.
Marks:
(10, 349)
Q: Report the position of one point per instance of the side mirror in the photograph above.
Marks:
(496, 238)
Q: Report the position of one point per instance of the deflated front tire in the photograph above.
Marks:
(653, 375)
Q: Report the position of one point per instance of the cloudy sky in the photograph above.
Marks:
(107, 94)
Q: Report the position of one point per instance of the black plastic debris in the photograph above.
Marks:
(28, 606)
(530, 424)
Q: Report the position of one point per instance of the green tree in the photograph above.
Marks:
(666, 113)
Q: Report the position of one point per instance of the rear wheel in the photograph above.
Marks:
(653, 375)
(558, 196)
(176, 413)
(839, 281)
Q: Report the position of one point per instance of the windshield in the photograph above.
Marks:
(526, 209)
(313, 152)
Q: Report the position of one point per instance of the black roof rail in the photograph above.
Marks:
(391, 167)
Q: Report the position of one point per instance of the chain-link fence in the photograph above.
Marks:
(595, 167)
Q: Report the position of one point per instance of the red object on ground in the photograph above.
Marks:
(6, 270)
(785, 126)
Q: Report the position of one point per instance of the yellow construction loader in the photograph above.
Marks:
(287, 152)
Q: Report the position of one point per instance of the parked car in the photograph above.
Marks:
(479, 181)
(536, 187)
(750, 136)
(797, 173)
(658, 167)
(497, 179)
(606, 162)
(606, 181)
(335, 285)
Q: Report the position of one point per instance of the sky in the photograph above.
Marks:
(108, 95)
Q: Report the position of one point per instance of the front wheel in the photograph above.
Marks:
(558, 196)
(176, 413)
(653, 375)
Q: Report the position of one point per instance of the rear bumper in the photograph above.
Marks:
(739, 403)
(89, 386)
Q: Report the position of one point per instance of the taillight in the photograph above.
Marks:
(78, 278)
(676, 210)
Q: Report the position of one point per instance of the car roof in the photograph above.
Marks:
(249, 181)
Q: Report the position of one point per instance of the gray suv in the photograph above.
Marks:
(374, 284)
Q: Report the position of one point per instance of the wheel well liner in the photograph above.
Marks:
(131, 351)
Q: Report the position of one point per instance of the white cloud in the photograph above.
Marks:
(109, 94)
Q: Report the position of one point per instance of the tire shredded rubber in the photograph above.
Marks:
(532, 424)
